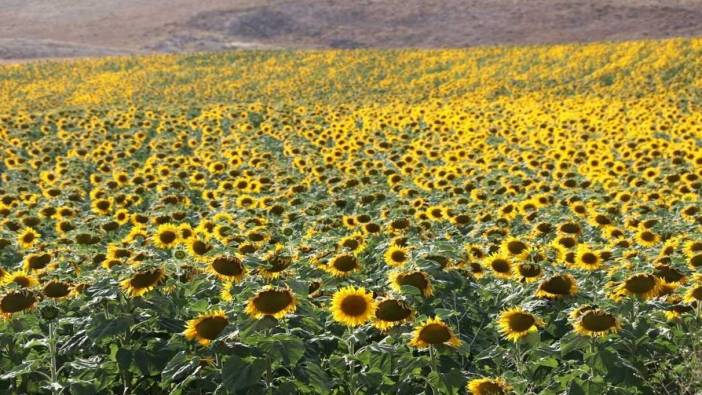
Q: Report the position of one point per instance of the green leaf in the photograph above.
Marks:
(239, 373)
(23, 368)
(283, 348)
(102, 327)
(179, 367)
(124, 358)
(318, 378)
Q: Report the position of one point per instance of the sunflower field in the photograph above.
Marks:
(486, 221)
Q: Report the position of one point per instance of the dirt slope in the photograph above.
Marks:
(70, 28)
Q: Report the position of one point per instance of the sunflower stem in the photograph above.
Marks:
(351, 354)
(52, 355)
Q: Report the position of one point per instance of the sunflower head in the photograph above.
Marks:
(515, 248)
(16, 301)
(352, 306)
(557, 287)
(501, 266)
(433, 332)
(206, 327)
(516, 323)
(343, 265)
(167, 236)
(228, 268)
(391, 312)
(142, 282)
(417, 279)
(488, 386)
(396, 256)
(596, 322)
(641, 285)
(273, 302)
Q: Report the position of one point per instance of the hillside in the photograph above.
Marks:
(66, 28)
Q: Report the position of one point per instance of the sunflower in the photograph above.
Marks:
(57, 289)
(16, 301)
(501, 266)
(20, 278)
(142, 282)
(488, 386)
(586, 258)
(557, 287)
(433, 332)
(693, 295)
(167, 236)
(227, 268)
(353, 243)
(269, 301)
(391, 312)
(396, 256)
(642, 285)
(27, 238)
(515, 248)
(198, 248)
(352, 306)
(529, 272)
(646, 238)
(515, 323)
(342, 265)
(206, 327)
(596, 322)
(277, 263)
(692, 248)
(36, 262)
(580, 310)
(476, 269)
(417, 279)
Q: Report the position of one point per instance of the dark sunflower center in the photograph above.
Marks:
(520, 322)
(167, 237)
(672, 275)
(37, 262)
(436, 213)
(145, 279)
(351, 244)
(647, 236)
(200, 247)
(516, 247)
(435, 334)
(398, 256)
(570, 228)
(640, 284)
(210, 327)
(392, 310)
(227, 266)
(696, 261)
(476, 267)
(56, 289)
(597, 321)
(558, 285)
(255, 237)
(22, 281)
(529, 270)
(16, 302)
(697, 293)
(490, 388)
(122, 253)
(415, 279)
(602, 220)
(589, 258)
(272, 301)
(345, 263)
(500, 266)
(103, 205)
(28, 238)
(567, 242)
(372, 227)
(400, 223)
(354, 305)
(696, 247)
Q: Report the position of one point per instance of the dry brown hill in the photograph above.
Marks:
(69, 28)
